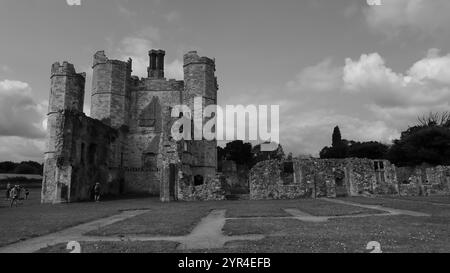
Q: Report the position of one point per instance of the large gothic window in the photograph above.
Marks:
(151, 115)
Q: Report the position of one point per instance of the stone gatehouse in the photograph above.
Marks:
(126, 143)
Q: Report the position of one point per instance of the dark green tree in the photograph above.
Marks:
(337, 137)
(7, 167)
(25, 168)
(371, 150)
(429, 144)
(259, 155)
(339, 146)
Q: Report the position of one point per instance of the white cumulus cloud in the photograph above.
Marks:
(395, 16)
(364, 96)
(20, 114)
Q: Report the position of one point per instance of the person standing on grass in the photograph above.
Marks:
(14, 195)
(27, 192)
(19, 191)
(8, 189)
(97, 192)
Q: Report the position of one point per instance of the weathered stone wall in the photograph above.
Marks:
(66, 93)
(129, 130)
(144, 139)
(409, 180)
(200, 81)
(141, 181)
(235, 174)
(111, 80)
(424, 180)
(321, 178)
(66, 89)
(84, 154)
(438, 180)
(212, 189)
(266, 182)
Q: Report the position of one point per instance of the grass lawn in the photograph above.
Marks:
(170, 219)
(421, 204)
(117, 247)
(248, 208)
(32, 219)
(444, 199)
(395, 233)
(179, 218)
(323, 208)
(275, 208)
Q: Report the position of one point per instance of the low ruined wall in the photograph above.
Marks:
(211, 190)
(266, 183)
(438, 180)
(313, 178)
(420, 181)
(236, 177)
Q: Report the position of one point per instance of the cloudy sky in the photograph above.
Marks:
(369, 69)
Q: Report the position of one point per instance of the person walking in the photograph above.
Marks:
(19, 191)
(14, 195)
(97, 192)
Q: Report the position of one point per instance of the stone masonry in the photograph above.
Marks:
(314, 178)
(126, 144)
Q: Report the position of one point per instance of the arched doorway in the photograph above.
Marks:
(341, 185)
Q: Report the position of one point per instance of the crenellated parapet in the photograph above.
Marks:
(111, 88)
(67, 88)
(192, 57)
(65, 69)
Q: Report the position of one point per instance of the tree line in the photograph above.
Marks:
(427, 142)
(24, 167)
(246, 154)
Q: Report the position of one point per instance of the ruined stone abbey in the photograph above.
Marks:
(127, 147)
(126, 144)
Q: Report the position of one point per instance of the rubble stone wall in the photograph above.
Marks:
(321, 178)
(424, 180)
(266, 183)
(84, 154)
(211, 190)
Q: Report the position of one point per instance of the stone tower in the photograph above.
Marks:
(110, 90)
(66, 94)
(200, 82)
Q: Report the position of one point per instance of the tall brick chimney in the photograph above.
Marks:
(156, 64)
